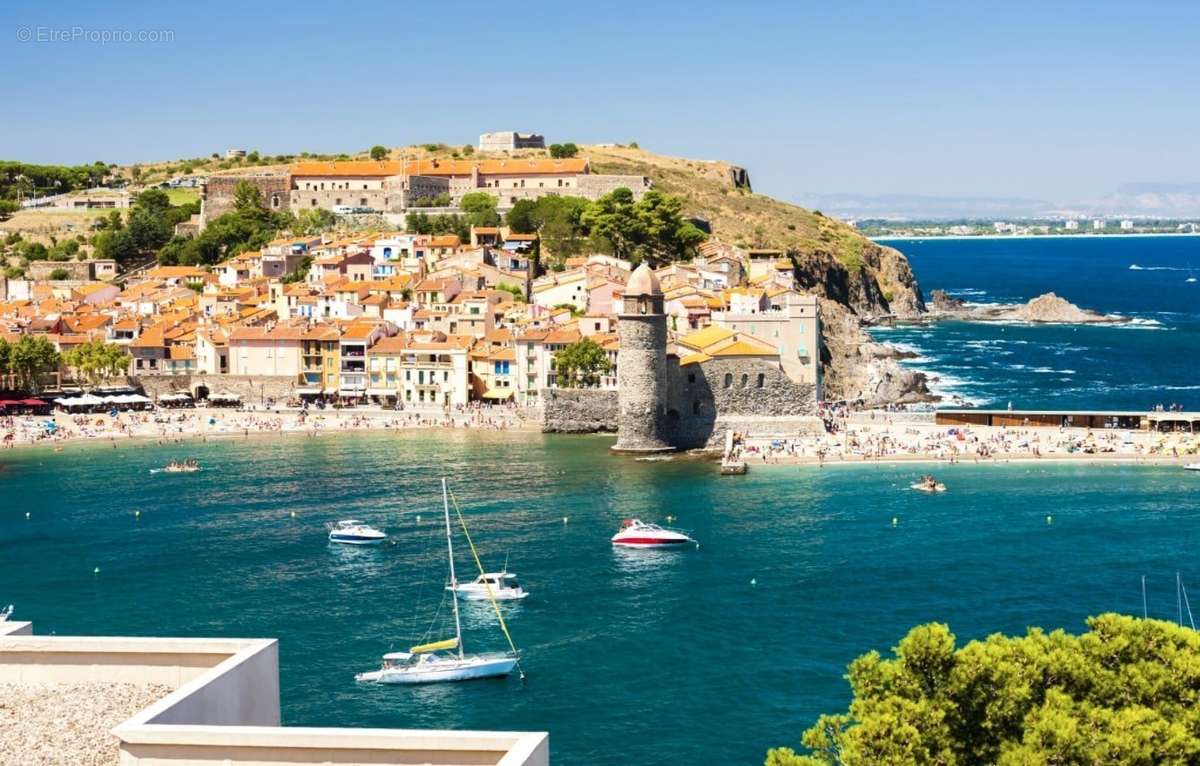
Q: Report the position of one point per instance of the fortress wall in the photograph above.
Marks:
(578, 410)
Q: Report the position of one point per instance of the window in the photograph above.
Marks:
(762, 378)
(691, 377)
(728, 379)
(745, 379)
(362, 201)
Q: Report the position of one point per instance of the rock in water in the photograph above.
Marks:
(944, 301)
(1051, 308)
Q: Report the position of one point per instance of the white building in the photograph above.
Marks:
(1098, 224)
(795, 330)
(1071, 225)
(1126, 225)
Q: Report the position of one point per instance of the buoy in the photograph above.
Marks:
(754, 581)
(418, 518)
(293, 514)
(1049, 519)
(96, 571)
(564, 519)
(137, 514)
(895, 521)
(27, 514)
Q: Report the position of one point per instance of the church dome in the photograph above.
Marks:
(643, 282)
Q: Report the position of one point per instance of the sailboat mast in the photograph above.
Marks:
(453, 579)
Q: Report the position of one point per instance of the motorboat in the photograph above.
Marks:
(443, 661)
(502, 586)
(636, 533)
(1192, 467)
(182, 466)
(436, 663)
(354, 532)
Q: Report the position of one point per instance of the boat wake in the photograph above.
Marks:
(1135, 267)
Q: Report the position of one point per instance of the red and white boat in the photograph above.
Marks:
(636, 533)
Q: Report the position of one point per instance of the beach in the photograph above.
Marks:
(883, 437)
(178, 425)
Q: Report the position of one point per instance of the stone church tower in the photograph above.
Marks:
(642, 385)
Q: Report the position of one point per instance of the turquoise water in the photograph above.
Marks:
(636, 658)
(1153, 360)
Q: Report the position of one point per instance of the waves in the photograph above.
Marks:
(1136, 267)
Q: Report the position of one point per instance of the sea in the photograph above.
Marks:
(1153, 359)
(708, 655)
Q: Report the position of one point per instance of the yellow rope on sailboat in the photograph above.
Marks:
(487, 586)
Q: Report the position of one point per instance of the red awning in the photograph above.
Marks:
(33, 402)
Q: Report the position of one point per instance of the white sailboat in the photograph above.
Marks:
(445, 660)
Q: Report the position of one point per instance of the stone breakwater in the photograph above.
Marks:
(44, 724)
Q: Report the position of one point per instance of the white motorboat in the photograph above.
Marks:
(1192, 467)
(501, 586)
(636, 533)
(354, 532)
(925, 487)
(438, 662)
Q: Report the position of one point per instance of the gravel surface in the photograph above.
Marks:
(58, 724)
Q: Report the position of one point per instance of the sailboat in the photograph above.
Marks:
(445, 660)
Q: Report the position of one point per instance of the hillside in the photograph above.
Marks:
(859, 280)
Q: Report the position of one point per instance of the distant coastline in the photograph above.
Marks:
(1089, 235)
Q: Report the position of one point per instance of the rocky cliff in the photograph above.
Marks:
(1044, 309)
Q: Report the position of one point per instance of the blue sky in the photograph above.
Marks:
(1049, 100)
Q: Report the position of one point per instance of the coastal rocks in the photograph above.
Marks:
(1044, 309)
(940, 300)
(859, 368)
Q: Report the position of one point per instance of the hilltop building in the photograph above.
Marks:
(393, 186)
(508, 140)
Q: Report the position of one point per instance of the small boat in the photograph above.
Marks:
(501, 586)
(1192, 467)
(438, 662)
(928, 484)
(182, 466)
(353, 532)
(5, 613)
(636, 533)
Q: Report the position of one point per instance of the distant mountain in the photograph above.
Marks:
(922, 207)
(1146, 200)
(1135, 200)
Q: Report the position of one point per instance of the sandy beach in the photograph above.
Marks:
(904, 438)
(169, 426)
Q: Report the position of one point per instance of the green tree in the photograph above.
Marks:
(581, 364)
(468, 150)
(7, 208)
(1125, 692)
(313, 221)
(480, 208)
(31, 357)
(613, 223)
(563, 151)
(117, 245)
(57, 275)
(379, 152)
(96, 361)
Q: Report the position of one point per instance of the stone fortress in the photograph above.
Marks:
(664, 404)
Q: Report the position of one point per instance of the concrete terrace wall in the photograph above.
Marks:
(578, 410)
(225, 707)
